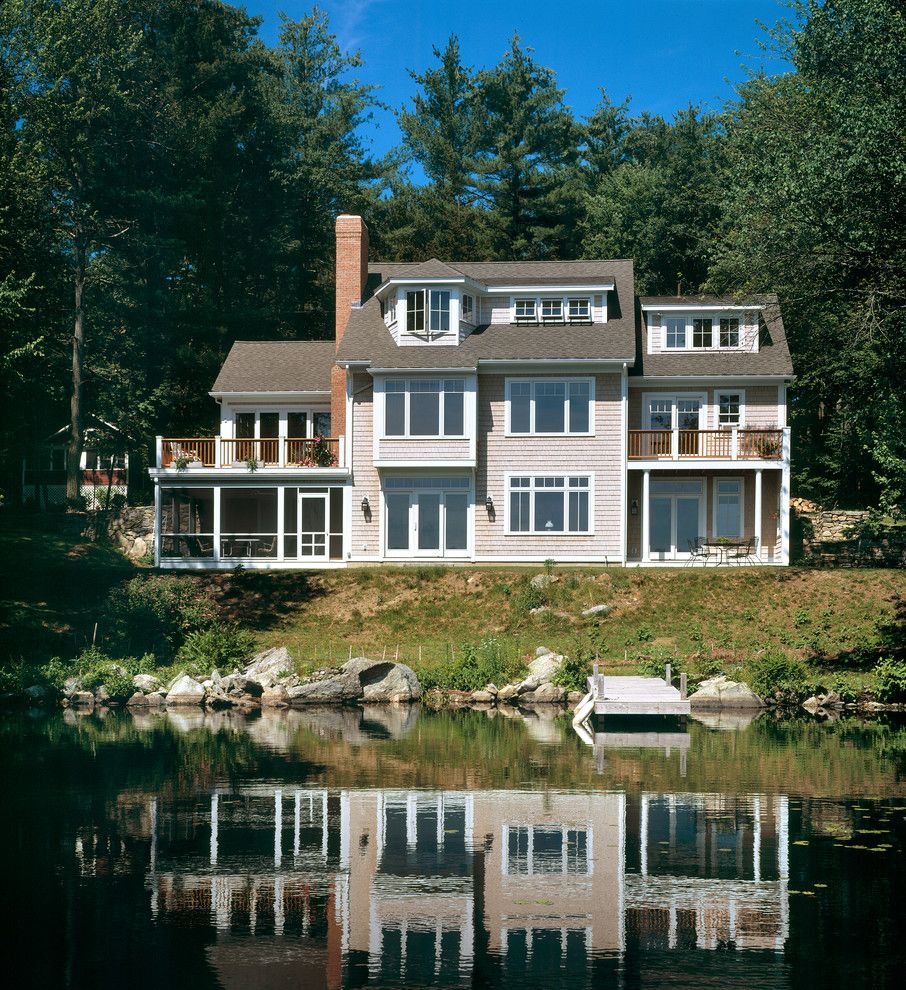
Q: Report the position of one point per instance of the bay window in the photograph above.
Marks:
(549, 504)
(556, 406)
(424, 407)
(428, 311)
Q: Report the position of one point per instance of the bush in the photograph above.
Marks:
(218, 646)
(575, 669)
(18, 675)
(890, 679)
(474, 666)
(528, 597)
(94, 667)
(775, 671)
(154, 615)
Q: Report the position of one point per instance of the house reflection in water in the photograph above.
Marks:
(414, 886)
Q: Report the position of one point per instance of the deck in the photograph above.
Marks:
(636, 696)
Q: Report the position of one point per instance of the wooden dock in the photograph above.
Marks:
(636, 696)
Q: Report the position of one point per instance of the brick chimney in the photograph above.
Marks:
(352, 274)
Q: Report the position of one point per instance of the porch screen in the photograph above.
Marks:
(187, 522)
(248, 522)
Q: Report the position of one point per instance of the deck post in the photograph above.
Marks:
(734, 444)
(668, 675)
(758, 474)
(646, 522)
(218, 457)
(159, 451)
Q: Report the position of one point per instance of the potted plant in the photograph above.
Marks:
(252, 464)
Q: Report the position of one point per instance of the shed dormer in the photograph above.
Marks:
(677, 324)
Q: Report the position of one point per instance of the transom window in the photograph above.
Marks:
(729, 409)
(549, 504)
(550, 406)
(729, 332)
(702, 331)
(431, 305)
(468, 309)
(424, 407)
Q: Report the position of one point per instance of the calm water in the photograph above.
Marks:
(409, 848)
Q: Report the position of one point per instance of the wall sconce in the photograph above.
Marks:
(634, 507)
(489, 506)
(366, 507)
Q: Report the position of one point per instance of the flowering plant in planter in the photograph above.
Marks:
(317, 453)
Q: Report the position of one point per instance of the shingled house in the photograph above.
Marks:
(495, 411)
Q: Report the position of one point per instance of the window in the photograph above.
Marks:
(580, 310)
(550, 849)
(549, 504)
(468, 309)
(675, 332)
(424, 407)
(552, 310)
(245, 426)
(560, 406)
(729, 406)
(433, 304)
(728, 507)
(702, 332)
(297, 425)
(729, 332)
(525, 311)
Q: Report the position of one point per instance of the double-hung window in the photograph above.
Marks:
(552, 310)
(729, 331)
(549, 504)
(702, 331)
(428, 311)
(424, 407)
(675, 332)
(558, 406)
(729, 409)
(580, 310)
(468, 308)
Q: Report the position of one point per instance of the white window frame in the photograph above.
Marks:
(739, 328)
(407, 392)
(566, 475)
(564, 380)
(427, 302)
(524, 317)
(704, 347)
(742, 503)
(674, 397)
(689, 345)
(552, 302)
(687, 330)
(577, 318)
(467, 313)
(565, 303)
(436, 485)
(741, 392)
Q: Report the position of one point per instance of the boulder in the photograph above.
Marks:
(529, 684)
(185, 690)
(574, 697)
(101, 694)
(600, 610)
(483, 697)
(543, 668)
(81, 699)
(339, 689)
(146, 683)
(542, 581)
(538, 610)
(242, 684)
(275, 697)
(541, 650)
(37, 694)
(719, 692)
(383, 681)
(507, 692)
(138, 700)
(270, 666)
(812, 705)
(71, 685)
(544, 694)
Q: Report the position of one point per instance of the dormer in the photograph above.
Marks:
(705, 324)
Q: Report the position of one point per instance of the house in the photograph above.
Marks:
(492, 412)
(103, 467)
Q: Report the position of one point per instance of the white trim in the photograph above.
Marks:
(624, 473)
(713, 482)
(550, 473)
(379, 422)
(781, 404)
(567, 381)
(464, 464)
(732, 390)
(708, 381)
(554, 366)
(692, 307)
(675, 397)
(542, 290)
(441, 554)
(702, 496)
(274, 398)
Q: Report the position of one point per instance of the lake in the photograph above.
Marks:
(389, 847)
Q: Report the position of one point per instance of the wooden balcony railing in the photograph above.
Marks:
(724, 445)
(183, 453)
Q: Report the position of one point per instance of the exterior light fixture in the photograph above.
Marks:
(366, 507)
(634, 507)
(489, 502)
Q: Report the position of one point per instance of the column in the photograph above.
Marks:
(216, 522)
(297, 823)
(784, 506)
(643, 836)
(756, 839)
(157, 522)
(758, 474)
(646, 533)
(281, 496)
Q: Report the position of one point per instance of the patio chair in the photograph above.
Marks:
(266, 549)
(745, 553)
(699, 550)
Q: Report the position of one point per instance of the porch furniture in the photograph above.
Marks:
(248, 542)
(699, 550)
(744, 552)
(266, 549)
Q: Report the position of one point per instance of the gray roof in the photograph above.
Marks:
(366, 337)
(503, 272)
(277, 366)
(772, 357)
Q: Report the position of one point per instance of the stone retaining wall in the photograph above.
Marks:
(830, 538)
(132, 528)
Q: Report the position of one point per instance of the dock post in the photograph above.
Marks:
(668, 677)
(682, 686)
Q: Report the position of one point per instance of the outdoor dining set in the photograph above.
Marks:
(723, 550)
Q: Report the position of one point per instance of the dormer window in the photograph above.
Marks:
(430, 304)
(526, 311)
(580, 310)
(468, 309)
(552, 310)
(675, 332)
(729, 332)
(702, 332)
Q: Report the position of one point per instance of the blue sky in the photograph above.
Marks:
(662, 53)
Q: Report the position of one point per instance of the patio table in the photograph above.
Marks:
(723, 548)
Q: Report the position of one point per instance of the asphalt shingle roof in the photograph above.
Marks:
(277, 366)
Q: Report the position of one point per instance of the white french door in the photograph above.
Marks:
(311, 526)
(680, 412)
(432, 523)
(675, 518)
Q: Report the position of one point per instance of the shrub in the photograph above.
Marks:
(17, 675)
(775, 671)
(890, 679)
(575, 669)
(220, 645)
(473, 666)
(528, 597)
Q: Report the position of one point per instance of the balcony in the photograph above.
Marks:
(709, 445)
(282, 453)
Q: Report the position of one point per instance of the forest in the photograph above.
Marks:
(169, 183)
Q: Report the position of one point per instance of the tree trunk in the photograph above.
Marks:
(74, 451)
